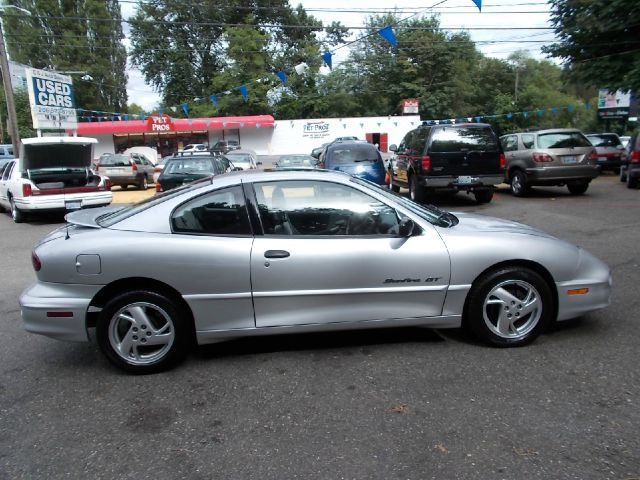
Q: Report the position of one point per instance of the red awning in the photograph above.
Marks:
(179, 124)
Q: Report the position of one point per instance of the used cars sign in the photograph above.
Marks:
(52, 100)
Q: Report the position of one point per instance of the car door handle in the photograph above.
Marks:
(276, 254)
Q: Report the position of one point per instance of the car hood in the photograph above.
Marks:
(474, 223)
(89, 217)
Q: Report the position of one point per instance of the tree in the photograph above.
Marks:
(23, 113)
(599, 40)
(74, 35)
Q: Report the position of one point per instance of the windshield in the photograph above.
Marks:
(115, 161)
(296, 160)
(354, 153)
(604, 140)
(112, 218)
(430, 213)
(189, 166)
(239, 158)
(562, 140)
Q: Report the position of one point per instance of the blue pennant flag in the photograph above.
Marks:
(142, 117)
(478, 119)
(281, 75)
(185, 109)
(540, 113)
(555, 110)
(509, 115)
(569, 108)
(389, 36)
(326, 56)
(243, 91)
(478, 4)
(126, 117)
(525, 114)
(214, 100)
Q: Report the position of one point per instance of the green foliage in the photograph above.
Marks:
(23, 114)
(599, 40)
(54, 37)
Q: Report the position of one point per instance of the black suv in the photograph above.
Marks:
(448, 157)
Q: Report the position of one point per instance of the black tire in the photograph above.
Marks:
(393, 186)
(417, 192)
(623, 174)
(577, 188)
(494, 313)
(144, 183)
(16, 213)
(483, 196)
(518, 183)
(632, 182)
(124, 187)
(156, 329)
(616, 170)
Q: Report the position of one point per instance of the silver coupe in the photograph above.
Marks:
(269, 252)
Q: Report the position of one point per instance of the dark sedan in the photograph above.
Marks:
(185, 169)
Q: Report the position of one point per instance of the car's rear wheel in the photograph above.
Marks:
(623, 174)
(509, 307)
(16, 213)
(483, 196)
(518, 183)
(632, 182)
(417, 192)
(577, 188)
(144, 183)
(143, 332)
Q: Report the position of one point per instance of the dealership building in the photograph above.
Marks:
(261, 133)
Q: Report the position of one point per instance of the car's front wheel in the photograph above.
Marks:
(483, 196)
(518, 183)
(143, 332)
(509, 307)
(578, 188)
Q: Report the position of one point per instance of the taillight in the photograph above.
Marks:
(157, 169)
(593, 156)
(134, 167)
(426, 163)
(635, 156)
(35, 261)
(542, 157)
(158, 187)
(108, 184)
(503, 160)
(97, 168)
(26, 190)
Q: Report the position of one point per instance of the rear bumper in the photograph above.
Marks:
(125, 179)
(57, 202)
(40, 303)
(476, 181)
(562, 174)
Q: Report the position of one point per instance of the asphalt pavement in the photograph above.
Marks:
(392, 404)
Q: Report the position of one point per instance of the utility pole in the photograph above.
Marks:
(8, 89)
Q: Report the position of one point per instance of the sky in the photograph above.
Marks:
(502, 27)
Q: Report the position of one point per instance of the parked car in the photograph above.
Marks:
(200, 147)
(611, 152)
(182, 169)
(127, 169)
(296, 161)
(225, 146)
(243, 158)
(315, 153)
(553, 157)
(630, 170)
(6, 152)
(257, 253)
(52, 174)
(356, 158)
(149, 153)
(450, 158)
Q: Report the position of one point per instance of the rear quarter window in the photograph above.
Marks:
(563, 140)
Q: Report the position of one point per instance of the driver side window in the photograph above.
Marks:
(316, 208)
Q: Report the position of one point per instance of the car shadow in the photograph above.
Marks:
(344, 340)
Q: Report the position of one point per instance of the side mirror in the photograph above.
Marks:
(393, 147)
(315, 155)
(406, 227)
(258, 163)
(620, 147)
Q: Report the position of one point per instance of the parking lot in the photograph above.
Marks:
(394, 404)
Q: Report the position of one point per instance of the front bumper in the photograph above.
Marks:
(42, 303)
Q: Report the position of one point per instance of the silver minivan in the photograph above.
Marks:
(554, 157)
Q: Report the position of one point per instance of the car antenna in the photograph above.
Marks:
(67, 235)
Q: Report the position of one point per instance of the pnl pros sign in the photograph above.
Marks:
(315, 129)
(53, 104)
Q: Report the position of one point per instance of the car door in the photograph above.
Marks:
(331, 253)
(4, 184)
